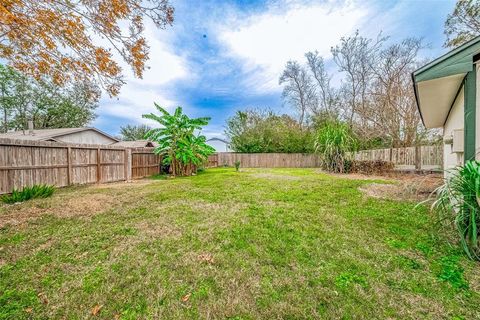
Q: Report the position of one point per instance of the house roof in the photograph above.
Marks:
(438, 83)
(218, 139)
(49, 134)
(135, 144)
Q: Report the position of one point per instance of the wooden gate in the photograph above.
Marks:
(145, 163)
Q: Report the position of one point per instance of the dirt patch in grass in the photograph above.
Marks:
(355, 176)
(87, 205)
(409, 305)
(381, 191)
(156, 229)
(145, 231)
(414, 188)
(85, 202)
(123, 184)
(271, 176)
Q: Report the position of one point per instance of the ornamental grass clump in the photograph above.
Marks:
(334, 141)
(457, 204)
(27, 193)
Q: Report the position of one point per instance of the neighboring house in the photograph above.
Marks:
(135, 144)
(448, 96)
(219, 144)
(84, 135)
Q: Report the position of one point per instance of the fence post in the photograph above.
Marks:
(69, 166)
(160, 160)
(99, 167)
(128, 164)
(418, 158)
(125, 164)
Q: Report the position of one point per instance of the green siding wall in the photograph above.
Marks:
(470, 117)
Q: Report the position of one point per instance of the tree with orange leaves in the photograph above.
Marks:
(62, 39)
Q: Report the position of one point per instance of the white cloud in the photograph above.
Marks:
(134, 101)
(268, 40)
(138, 95)
(164, 65)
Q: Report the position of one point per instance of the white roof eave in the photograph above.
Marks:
(436, 97)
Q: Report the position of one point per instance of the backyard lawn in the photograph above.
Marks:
(257, 244)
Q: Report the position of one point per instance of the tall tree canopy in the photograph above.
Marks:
(298, 88)
(134, 132)
(73, 40)
(375, 96)
(463, 23)
(327, 96)
(43, 102)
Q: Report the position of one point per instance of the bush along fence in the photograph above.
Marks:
(426, 158)
(26, 163)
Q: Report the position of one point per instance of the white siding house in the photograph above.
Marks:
(453, 155)
(220, 145)
(448, 97)
(84, 135)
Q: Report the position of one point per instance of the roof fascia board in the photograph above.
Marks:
(85, 129)
(105, 134)
(417, 99)
(465, 50)
(449, 70)
(73, 130)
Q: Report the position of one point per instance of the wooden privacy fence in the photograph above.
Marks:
(265, 160)
(419, 158)
(144, 163)
(25, 163)
(410, 158)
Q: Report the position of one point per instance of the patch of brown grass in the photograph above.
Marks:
(86, 201)
(405, 187)
(271, 176)
(409, 305)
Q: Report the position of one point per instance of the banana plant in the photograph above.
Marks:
(176, 139)
(195, 150)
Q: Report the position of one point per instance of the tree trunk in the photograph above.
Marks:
(5, 115)
(173, 167)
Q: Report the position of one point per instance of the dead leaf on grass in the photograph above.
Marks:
(206, 257)
(43, 297)
(96, 309)
(28, 310)
(186, 297)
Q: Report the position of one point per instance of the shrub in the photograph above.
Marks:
(254, 131)
(334, 140)
(237, 165)
(457, 204)
(368, 167)
(27, 193)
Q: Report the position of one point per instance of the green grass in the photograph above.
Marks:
(254, 244)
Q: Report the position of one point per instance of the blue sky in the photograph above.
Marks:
(221, 56)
